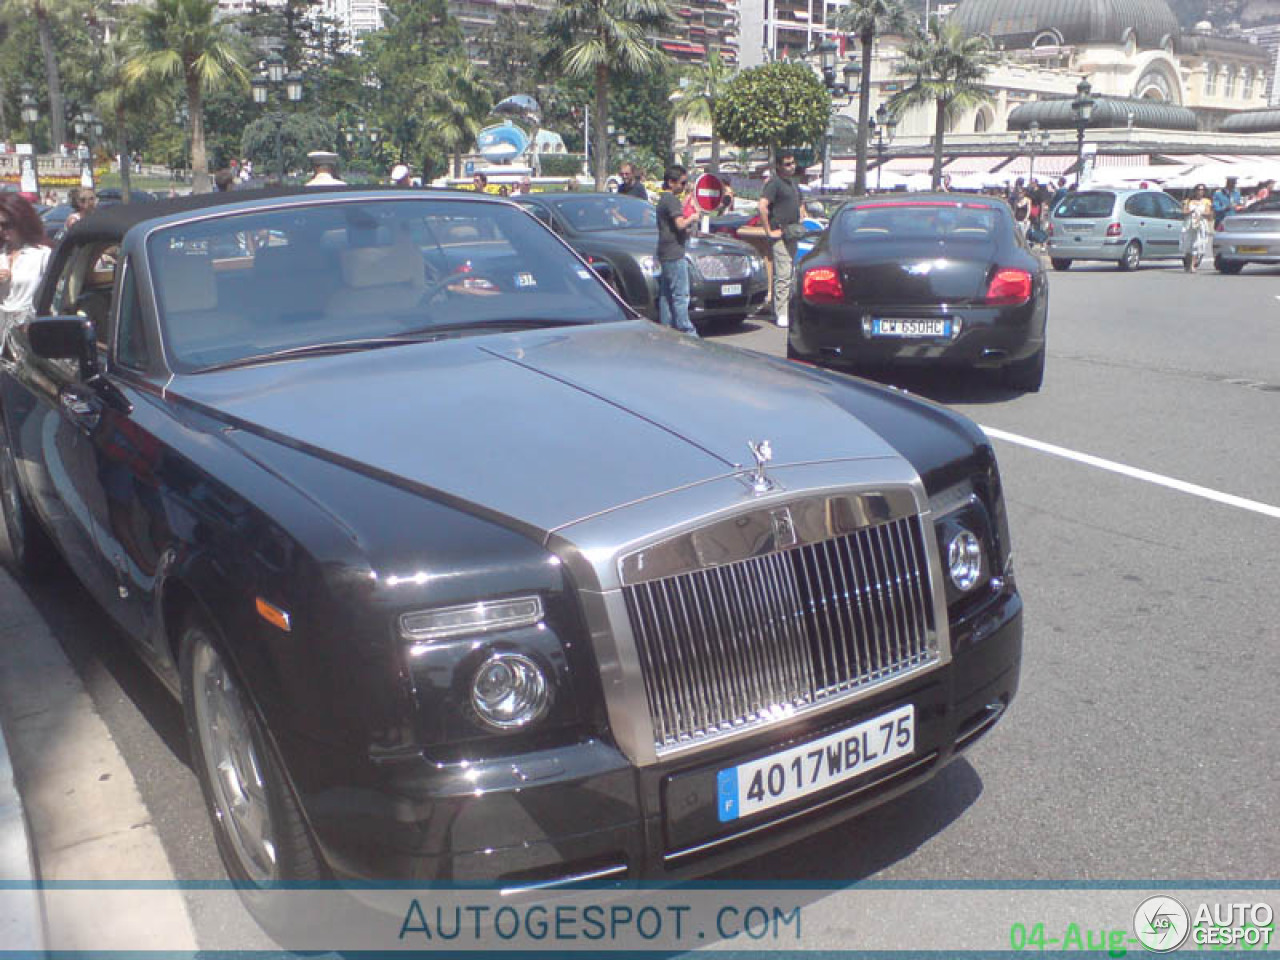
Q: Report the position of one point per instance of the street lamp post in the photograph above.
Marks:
(1032, 140)
(28, 174)
(843, 90)
(267, 87)
(88, 128)
(882, 126)
(1082, 108)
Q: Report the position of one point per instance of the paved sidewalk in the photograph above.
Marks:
(86, 821)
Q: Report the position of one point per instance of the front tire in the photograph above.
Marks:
(1229, 267)
(1060, 263)
(257, 822)
(30, 552)
(1131, 257)
(1026, 375)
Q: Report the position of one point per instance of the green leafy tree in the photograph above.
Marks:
(45, 14)
(947, 70)
(779, 104)
(511, 51)
(868, 20)
(701, 87)
(418, 100)
(601, 38)
(184, 42)
(299, 134)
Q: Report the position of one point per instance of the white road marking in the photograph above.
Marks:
(1266, 509)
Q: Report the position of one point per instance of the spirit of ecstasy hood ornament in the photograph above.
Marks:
(760, 449)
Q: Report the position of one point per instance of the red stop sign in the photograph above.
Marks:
(707, 191)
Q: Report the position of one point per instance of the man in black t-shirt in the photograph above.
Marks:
(780, 207)
(675, 214)
(631, 185)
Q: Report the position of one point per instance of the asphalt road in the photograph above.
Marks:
(1141, 746)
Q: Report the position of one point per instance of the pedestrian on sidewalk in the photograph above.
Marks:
(24, 254)
(675, 214)
(781, 210)
(1196, 238)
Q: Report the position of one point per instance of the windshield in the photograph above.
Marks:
(255, 283)
(606, 212)
(1093, 205)
(877, 222)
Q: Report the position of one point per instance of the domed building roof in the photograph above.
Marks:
(1026, 23)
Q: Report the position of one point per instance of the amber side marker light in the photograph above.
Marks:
(272, 614)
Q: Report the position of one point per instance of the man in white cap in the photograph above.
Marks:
(325, 164)
(400, 175)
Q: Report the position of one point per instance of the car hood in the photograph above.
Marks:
(644, 242)
(541, 428)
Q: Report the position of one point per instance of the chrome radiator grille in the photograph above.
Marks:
(744, 643)
(723, 267)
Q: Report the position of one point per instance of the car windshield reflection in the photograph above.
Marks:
(255, 284)
(608, 212)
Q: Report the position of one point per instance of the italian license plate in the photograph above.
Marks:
(885, 327)
(800, 771)
(730, 289)
(1251, 249)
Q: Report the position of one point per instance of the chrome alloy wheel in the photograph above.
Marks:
(232, 764)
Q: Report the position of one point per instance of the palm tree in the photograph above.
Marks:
(948, 69)
(122, 103)
(184, 41)
(457, 102)
(701, 86)
(595, 38)
(45, 12)
(867, 20)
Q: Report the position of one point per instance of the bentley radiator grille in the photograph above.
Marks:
(723, 267)
(745, 643)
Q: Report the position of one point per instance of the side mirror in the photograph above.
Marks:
(65, 338)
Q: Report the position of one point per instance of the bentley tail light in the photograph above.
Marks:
(1009, 286)
(1220, 226)
(1049, 229)
(1114, 229)
(822, 285)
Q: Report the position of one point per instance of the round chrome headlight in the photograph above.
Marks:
(964, 560)
(509, 691)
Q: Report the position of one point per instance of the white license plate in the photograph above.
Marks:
(884, 327)
(810, 767)
(730, 289)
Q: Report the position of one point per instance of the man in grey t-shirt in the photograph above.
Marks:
(780, 207)
(674, 218)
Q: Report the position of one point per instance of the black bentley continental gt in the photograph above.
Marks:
(462, 572)
(926, 280)
(618, 236)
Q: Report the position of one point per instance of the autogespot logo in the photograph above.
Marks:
(1161, 923)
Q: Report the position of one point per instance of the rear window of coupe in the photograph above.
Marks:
(916, 221)
(1090, 205)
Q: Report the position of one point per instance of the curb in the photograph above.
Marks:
(21, 912)
(85, 817)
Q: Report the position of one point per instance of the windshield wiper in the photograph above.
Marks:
(308, 350)
(418, 335)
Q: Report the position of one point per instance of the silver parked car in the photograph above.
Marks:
(1249, 236)
(1123, 226)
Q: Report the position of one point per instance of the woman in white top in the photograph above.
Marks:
(24, 254)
